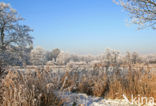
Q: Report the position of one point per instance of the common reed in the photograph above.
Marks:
(29, 89)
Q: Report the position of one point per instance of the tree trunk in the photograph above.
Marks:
(2, 38)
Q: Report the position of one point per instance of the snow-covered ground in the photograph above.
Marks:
(74, 99)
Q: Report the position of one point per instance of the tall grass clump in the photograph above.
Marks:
(29, 88)
(113, 82)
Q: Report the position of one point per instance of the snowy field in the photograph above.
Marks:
(74, 99)
(80, 99)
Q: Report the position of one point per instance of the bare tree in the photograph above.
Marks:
(142, 12)
(14, 37)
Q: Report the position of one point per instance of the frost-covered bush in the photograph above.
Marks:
(38, 56)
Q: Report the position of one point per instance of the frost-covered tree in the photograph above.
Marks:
(14, 36)
(142, 12)
(63, 58)
(55, 53)
(135, 58)
(127, 59)
(132, 58)
(48, 56)
(38, 56)
(150, 59)
(110, 56)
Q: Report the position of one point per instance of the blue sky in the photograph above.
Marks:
(83, 26)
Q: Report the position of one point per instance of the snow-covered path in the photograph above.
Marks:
(74, 99)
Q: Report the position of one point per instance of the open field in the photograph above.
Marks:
(110, 77)
(37, 84)
(77, 53)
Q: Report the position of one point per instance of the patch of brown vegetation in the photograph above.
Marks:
(137, 81)
(29, 89)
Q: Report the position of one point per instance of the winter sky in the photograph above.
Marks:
(83, 26)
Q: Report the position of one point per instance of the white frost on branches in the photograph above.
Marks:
(15, 39)
(38, 56)
(142, 12)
